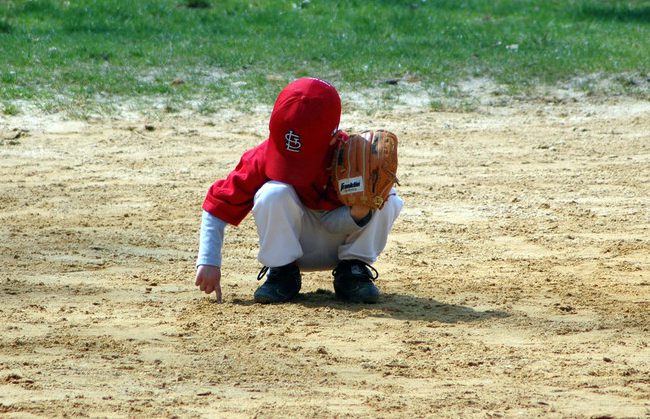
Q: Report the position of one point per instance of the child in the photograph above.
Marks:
(300, 221)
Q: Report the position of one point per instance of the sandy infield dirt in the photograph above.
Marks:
(516, 282)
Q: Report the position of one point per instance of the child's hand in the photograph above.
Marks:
(208, 279)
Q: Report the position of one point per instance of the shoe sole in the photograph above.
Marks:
(366, 300)
(271, 300)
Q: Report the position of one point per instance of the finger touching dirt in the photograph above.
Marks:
(208, 279)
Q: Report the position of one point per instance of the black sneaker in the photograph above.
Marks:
(353, 281)
(282, 284)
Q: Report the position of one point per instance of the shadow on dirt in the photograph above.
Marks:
(397, 306)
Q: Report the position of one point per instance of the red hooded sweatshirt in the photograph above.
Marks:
(304, 120)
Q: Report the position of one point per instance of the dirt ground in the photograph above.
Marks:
(516, 282)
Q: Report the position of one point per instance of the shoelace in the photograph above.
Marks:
(373, 272)
(263, 272)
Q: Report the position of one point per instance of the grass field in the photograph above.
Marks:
(62, 55)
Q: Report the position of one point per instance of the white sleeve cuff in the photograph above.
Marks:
(211, 240)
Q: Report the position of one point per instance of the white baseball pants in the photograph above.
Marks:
(288, 231)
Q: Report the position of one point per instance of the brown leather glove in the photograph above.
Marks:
(365, 168)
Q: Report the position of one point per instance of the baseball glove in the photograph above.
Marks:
(365, 168)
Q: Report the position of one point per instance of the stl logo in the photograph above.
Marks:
(292, 141)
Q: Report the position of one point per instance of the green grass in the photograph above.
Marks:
(55, 53)
(9, 109)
